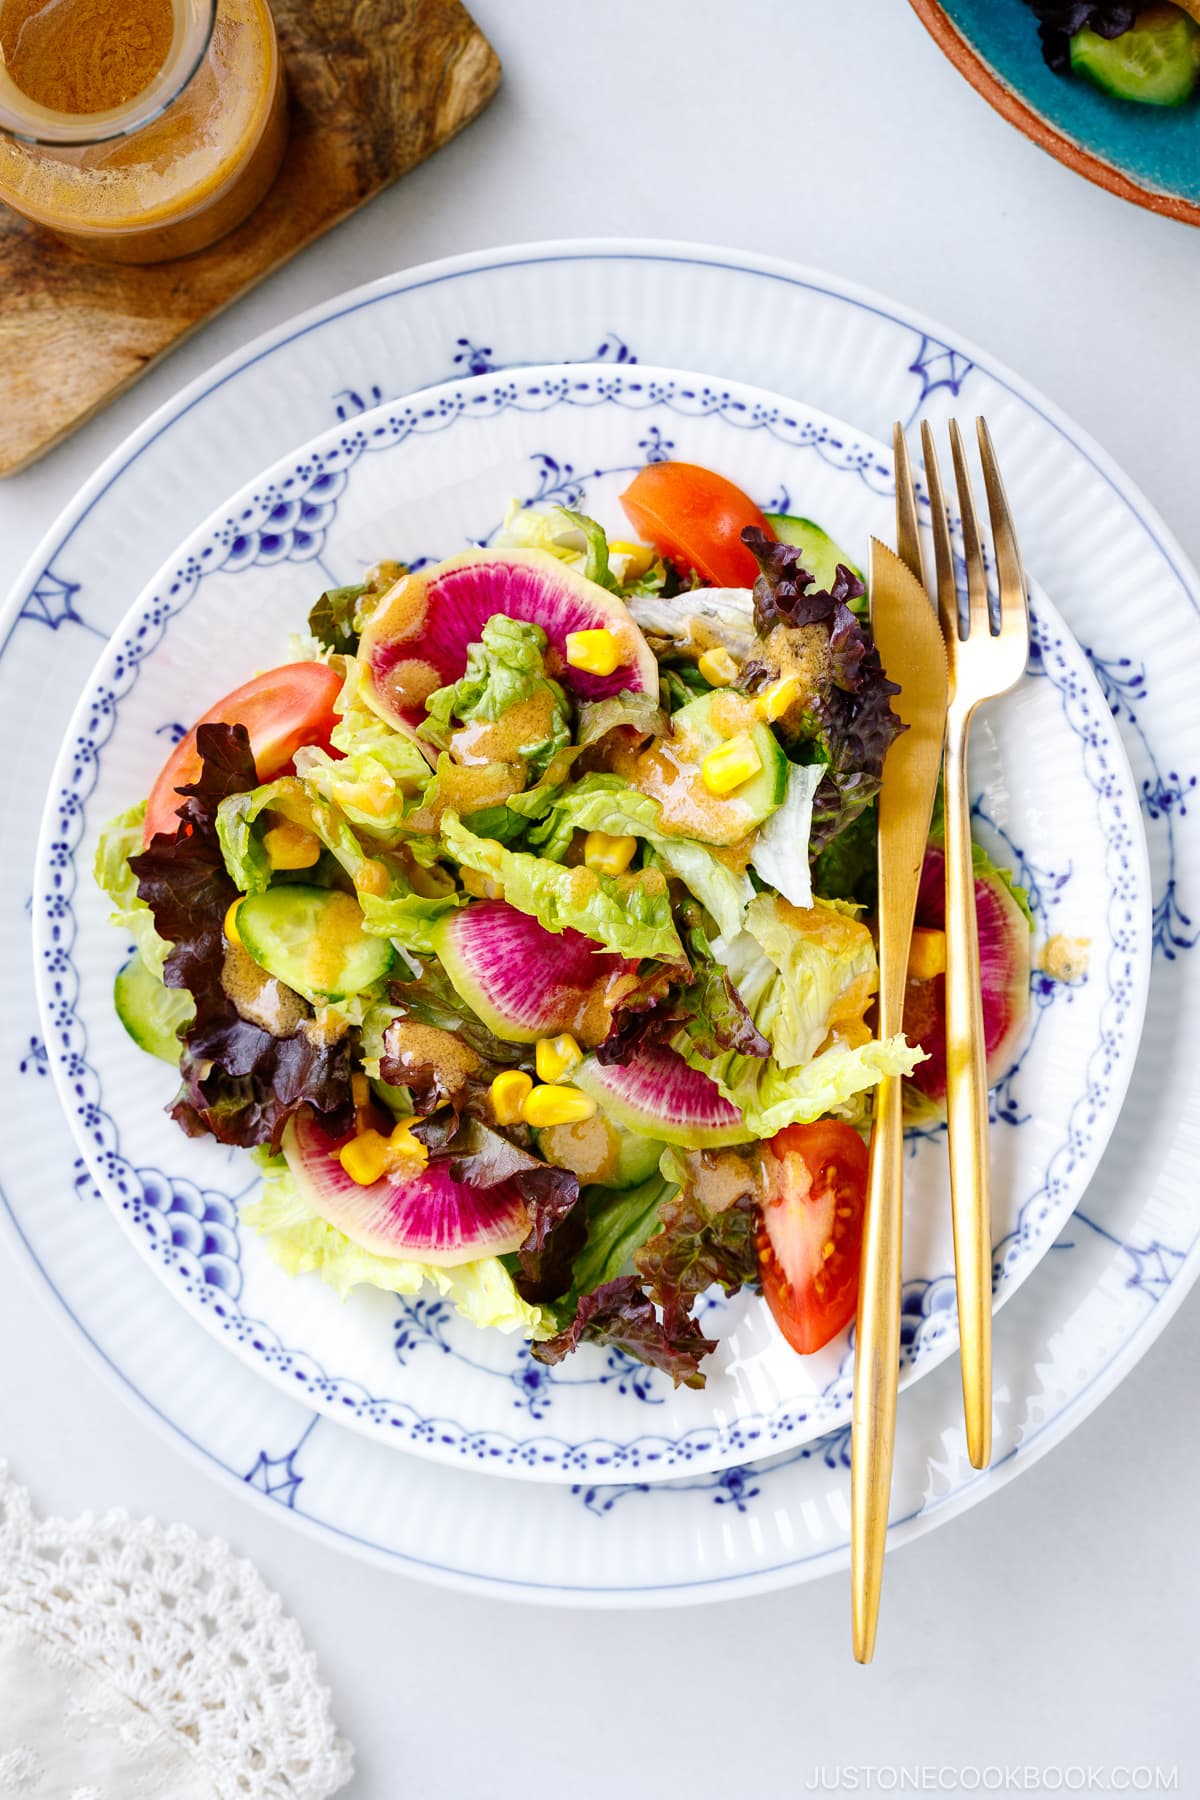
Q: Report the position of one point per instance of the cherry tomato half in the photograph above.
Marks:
(695, 519)
(810, 1240)
(281, 709)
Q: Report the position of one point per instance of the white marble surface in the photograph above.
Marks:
(1051, 1631)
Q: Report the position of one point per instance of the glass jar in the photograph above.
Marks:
(157, 173)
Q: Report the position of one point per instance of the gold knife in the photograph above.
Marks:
(909, 639)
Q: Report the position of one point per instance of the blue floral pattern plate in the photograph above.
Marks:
(419, 480)
(1123, 1262)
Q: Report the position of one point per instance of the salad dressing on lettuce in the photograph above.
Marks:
(502, 740)
(259, 996)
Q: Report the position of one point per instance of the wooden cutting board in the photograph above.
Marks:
(375, 86)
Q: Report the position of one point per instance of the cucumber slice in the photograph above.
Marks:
(821, 554)
(312, 939)
(150, 1012)
(687, 806)
(1157, 61)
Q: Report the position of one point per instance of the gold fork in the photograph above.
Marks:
(984, 663)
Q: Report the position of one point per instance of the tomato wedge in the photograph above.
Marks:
(281, 709)
(695, 519)
(810, 1240)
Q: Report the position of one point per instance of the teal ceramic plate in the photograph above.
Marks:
(1147, 154)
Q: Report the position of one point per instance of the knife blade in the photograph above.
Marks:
(909, 639)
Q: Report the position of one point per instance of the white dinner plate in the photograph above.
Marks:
(420, 481)
(1121, 1264)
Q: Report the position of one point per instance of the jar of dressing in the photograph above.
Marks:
(139, 129)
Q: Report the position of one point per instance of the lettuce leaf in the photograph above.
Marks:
(504, 669)
(571, 536)
(379, 773)
(703, 1003)
(333, 620)
(620, 1315)
(771, 1097)
(120, 839)
(639, 713)
(628, 914)
(699, 1245)
(801, 971)
(618, 1222)
(606, 803)
(849, 720)
(724, 613)
(847, 868)
(780, 851)
(241, 1083)
(805, 976)
(300, 1241)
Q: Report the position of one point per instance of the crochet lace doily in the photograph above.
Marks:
(139, 1661)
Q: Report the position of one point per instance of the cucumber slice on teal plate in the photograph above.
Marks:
(1157, 61)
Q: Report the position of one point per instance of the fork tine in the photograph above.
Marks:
(943, 554)
(977, 598)
(1014, 605)
(908, 531)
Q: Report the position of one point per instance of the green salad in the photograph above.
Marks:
(520, 925)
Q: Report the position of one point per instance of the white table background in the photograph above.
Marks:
(1054, 1625)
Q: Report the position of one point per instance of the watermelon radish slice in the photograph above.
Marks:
(660, 1096)
(417, 639)
(427, 1217)
(1005, 960)
(523, 981)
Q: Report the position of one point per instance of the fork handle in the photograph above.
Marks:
(876, 1367)
(966, 1105)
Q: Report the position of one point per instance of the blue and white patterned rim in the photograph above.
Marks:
(193, 1235)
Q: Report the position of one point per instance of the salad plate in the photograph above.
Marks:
(421, 481)
(1123, 1262)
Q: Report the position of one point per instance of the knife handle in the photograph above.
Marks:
(967, 1106)
(876, 1366)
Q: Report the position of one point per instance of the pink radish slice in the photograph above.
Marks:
(658, 1095)
(418, 637)
(1004, 972)
(426, 1217)
(523, 981)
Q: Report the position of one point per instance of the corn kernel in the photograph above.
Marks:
(557, 1056)
(608, 855)
(230, 921)
(774, 701)
(403, 1147)
(638, 557)
(289, 846)
(384, 574)
(371, 877)
(375, 798)
(508, 1094)
(927, 954)
(597, 652)
(365, 1158)
(360, 1089)
(718, 667)
(552, 1105)
(730, 764)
